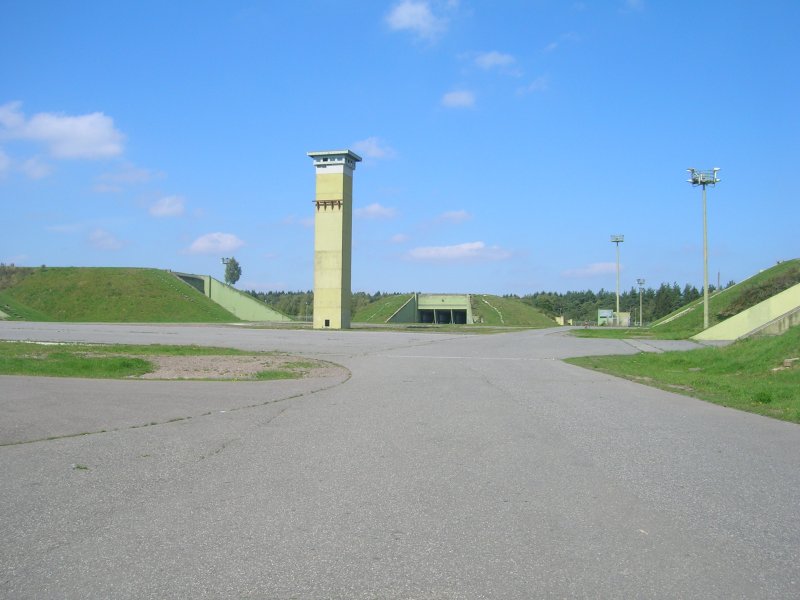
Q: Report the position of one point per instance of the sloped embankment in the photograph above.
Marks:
(109, 295)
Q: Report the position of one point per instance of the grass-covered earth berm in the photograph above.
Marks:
(488, 310)
(99, 361)
(106, 295)
(377, 312)
(756, 375)
(509, 312)
(728, 302)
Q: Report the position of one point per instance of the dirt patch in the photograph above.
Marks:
(240, 367)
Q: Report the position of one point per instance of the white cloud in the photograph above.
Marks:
(373, 147)
(10, 116)
(84, 136)
(470, 251)
(493, 59)
(459, 99)
(592, 270)
(540, 84)
(454, 216)
(212, 243)
(104, 240)
(551, 47)
(416, 16)
(398, 238)
(375, 211)
(634, 5)
(168, 206)
(35, 168)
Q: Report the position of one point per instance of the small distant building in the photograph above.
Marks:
(606, 316)
(440, 309)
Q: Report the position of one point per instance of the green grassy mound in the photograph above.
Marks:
(509, 312)
(377, 312)
(688, 320)
(109, 295)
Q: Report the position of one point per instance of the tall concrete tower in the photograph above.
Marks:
(333, 232)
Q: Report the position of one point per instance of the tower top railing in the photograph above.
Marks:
(698, 177)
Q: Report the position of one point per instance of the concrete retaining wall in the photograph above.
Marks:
(406, 313)
(240, 304)
(774, 314)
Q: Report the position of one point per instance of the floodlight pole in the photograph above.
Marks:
(641, 289)
(617, 239)
(704, 178)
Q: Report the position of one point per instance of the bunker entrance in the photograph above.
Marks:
(443, 316)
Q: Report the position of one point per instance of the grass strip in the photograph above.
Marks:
(113, 361)
(749, 375)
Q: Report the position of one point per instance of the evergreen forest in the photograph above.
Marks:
(579, 305)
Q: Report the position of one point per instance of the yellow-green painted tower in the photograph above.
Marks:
(333, 232)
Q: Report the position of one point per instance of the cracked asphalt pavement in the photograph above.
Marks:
(433, 466)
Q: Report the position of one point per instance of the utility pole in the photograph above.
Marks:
(617, 239)
(704, 178)
(641, 289)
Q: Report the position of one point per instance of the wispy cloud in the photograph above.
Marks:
(540, 84)
(35, 168)
(215, 243)
(416, 17)
(399, 238)
(569, 37)
(454, 216)
(375, 211)
(127, 174)
(91, 136)
(104, 240)
(494, 60)
(168, 206)
(592, 270)
(468, 252)
(373, 147)
(459, 99)
(634, 5)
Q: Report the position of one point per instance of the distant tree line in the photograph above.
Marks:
(583, 306)
(579, 306)
(301, 304)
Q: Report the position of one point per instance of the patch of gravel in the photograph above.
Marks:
(242, 367)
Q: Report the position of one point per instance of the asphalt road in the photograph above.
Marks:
(436, 466)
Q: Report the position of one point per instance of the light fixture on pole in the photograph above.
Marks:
(617, 239)
(704, 178)
(641, 289)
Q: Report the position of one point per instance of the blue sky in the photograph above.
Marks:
(503, 142)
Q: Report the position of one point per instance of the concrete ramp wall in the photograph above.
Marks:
(406, 313)
(240, 304)
(773, 315)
